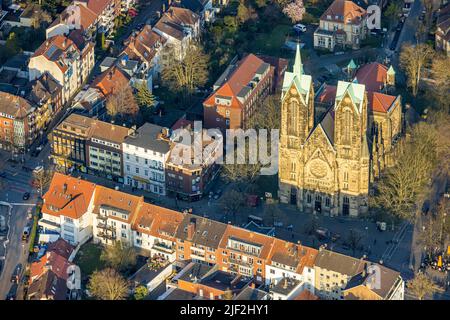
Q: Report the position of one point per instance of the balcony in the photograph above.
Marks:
(102, 217)
(105, 226)
(240, 262)
(106, 236)
(162, 247)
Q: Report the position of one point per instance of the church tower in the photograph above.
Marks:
(297, 121)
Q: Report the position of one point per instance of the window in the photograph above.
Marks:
(292, 116)
(327, 202)
(346, 127)
(308, 198)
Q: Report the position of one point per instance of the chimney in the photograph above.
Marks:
(110, 75)
(285, 283)
(65, 187)
(191, 229)
(252, 285)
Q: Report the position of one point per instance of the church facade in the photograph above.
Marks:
(325, 162)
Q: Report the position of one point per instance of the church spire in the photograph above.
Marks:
(298, 66)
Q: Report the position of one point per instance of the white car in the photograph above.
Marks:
(300, 27)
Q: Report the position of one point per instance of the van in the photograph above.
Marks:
(300, 27)
(26, 233)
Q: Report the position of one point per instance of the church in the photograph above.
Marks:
(334, 142)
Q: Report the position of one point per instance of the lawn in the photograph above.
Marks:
(88, 259)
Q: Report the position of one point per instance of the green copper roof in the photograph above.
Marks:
(352, 65)
(298, 66)
(391, 70)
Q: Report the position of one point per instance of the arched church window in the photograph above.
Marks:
(293, 117)
(347, 127)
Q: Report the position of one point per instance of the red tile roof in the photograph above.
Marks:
(144, 45)
(111, 80)
(342, 11)
(372, 75)
(380, 102)
(67, 196)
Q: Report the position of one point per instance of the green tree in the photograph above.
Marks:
(144, 97)
(119, 256)
(140, 292)
(392, 11)
(108, 284)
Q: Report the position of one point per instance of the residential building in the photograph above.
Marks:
(198, 239)
(155, 230)
(187, 177)
(244, 252)
(251, 293)
(65, 208)
(69, 59)
(293, 262)
(342, 25)
(17, 123)
(111, 81)
(113, 214)
(237, 94)
(203, 8)
(46, 94)
(442, 34)
(90, 145)
(145, 154)
(146, 47)
(179, 26)
(341, 277)
(287, 289)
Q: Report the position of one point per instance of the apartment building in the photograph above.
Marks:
(186, 178)
(244, 252)
(291, 261)
(145, 153)
(179, 26)
(342, 25)
(155, 230)
(113, 214)
(237, 93)
(17, 123)
(67, 58)
(66, 208)
(442, 34)
(46, 94)
(198, 239)
(89, 145)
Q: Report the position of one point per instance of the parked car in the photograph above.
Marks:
(300, 27)
(26, 196)
(218, 194)
(16, 274)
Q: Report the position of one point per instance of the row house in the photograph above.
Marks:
(17, 123)
(179, 26)
(113, 215)
(90, 145)
(237, 94)
(155, 230)
(145, 153)
(66, 208)
(80, 210)
(198, 239)
(189, 178)
(244, 252)
(342, 25)
(291, 261)
(68, 59)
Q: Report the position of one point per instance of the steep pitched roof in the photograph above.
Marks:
(380, 102)
(111, 80)
(339, 263)
(344, 11)
(238, 81)
(174, 20)
(67, 196)
(372, 75)
(356, 92)
(293, 255)
(208, 232)
(144, 45)
(43, 89)
(48, 287)
(87, 16)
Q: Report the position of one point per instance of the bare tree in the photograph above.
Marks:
(354, 240)
(187, 74)
(412, 60)
(119, 255)
(421, 286)
(108, 284)
(122, 104)
(271, 213)
(269, 115)
(440, 72)
(42, 179)
(231, 202)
